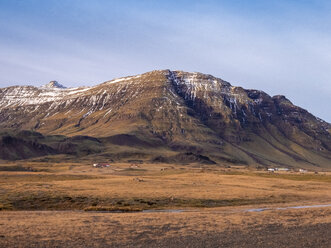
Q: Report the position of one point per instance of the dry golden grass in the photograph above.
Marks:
(215, 200)
(76, 186)
(226, 227)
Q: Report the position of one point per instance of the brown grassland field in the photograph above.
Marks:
(76, 205)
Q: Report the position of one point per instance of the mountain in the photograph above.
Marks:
(54, 84)
(174, 116)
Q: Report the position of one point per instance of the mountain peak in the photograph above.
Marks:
(197, 115)
(54, 84)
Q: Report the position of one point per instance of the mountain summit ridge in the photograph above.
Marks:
(181, 111)
(54, 84)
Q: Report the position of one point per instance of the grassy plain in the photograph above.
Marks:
(213, 227)
(70, 186)
(215, 200)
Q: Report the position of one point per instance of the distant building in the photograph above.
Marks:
(278, 169)
(303, 170)
(101, 165)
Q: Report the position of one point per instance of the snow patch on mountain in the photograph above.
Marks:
(122, 79)
(29, 95)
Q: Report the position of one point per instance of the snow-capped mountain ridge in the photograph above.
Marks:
(29, 95)
(174, 106)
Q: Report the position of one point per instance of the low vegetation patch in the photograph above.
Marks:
(16, 168)
(5, 206)
(114, 208)
(47, 201)
(43, 177)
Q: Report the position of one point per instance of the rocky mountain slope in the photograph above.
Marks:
(174, 116)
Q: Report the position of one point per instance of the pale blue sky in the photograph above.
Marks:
(281, 47)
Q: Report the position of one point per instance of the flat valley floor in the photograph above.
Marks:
(198, 228)
(72, 205)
